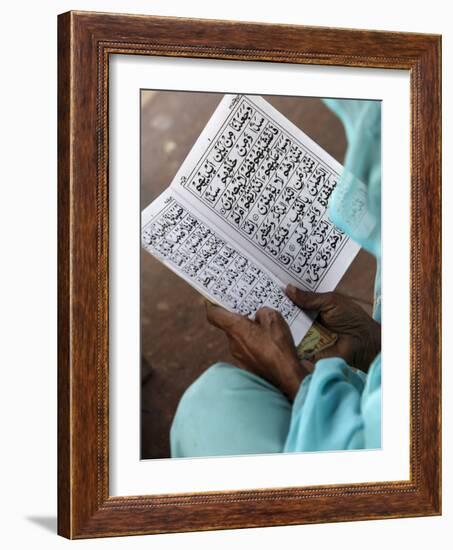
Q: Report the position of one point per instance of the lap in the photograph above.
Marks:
(229, 411)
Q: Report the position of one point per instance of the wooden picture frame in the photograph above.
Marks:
(85, 42)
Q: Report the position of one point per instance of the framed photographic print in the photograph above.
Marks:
(249, 274)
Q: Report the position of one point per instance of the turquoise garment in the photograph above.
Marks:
(229, 411)
(337, 408)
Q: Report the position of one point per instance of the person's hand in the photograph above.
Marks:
(264, 346)
(359, 335)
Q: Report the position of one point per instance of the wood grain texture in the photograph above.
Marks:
(64, 368)
(85, 42)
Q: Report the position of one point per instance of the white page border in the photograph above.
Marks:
(128, 474)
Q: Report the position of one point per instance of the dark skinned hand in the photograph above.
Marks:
(359, 335)
(264, 346)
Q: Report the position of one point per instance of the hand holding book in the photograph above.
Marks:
(265, 346)
(358, 336)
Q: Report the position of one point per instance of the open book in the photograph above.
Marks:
(247, 214)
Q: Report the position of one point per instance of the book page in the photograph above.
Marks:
(218, 268)
(260, 178)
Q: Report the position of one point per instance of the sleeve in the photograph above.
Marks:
(337, 408)
(327, 412)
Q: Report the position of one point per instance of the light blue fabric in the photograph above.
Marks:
(228, 411)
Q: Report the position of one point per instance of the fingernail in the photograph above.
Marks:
(291, 289)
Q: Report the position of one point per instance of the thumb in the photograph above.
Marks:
(309, 300)
(222, 318)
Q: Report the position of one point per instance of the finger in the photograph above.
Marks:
(309, 300)
(330, 353)
(308, 365)
(224, 319)
(267, 315)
